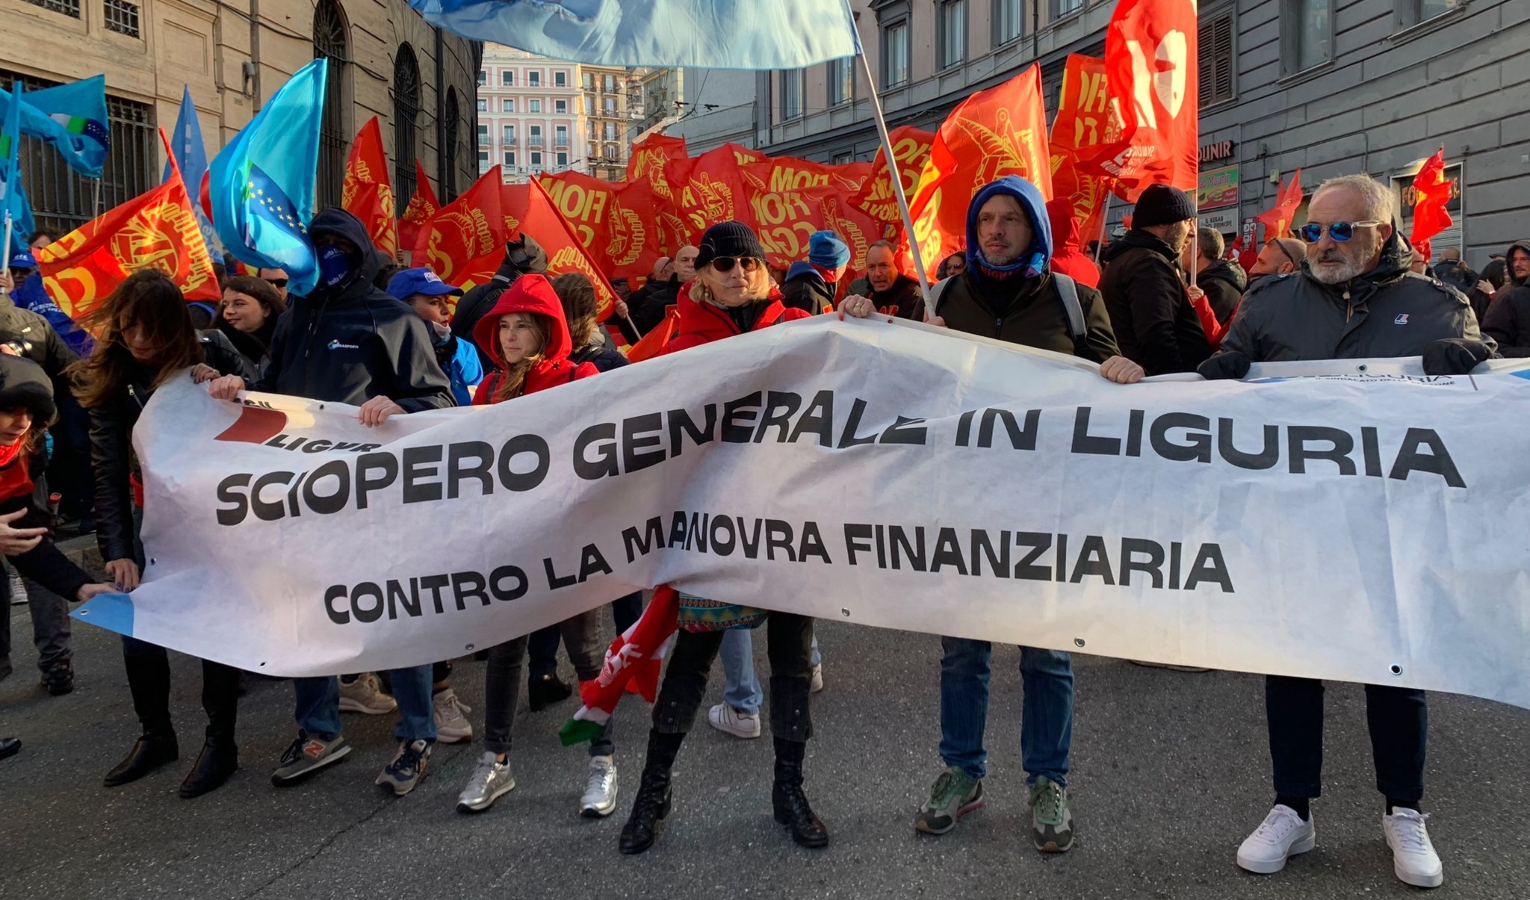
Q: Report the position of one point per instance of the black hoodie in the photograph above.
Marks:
(352, 342)
(1508, 316)
(1224, 282)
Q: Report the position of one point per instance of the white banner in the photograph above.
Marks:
(1361, 527)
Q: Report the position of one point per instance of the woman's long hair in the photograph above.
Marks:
(149, 300)
(514, 379)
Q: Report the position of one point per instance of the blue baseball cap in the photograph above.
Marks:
(23, 260)
(422, 280)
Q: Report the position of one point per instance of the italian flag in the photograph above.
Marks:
(632, 665)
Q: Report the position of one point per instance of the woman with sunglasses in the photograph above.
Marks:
(730, 295)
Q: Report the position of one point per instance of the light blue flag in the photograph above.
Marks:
(15, 211)
(718, 34)
(191, 156)
(71, 117)
(262, 184)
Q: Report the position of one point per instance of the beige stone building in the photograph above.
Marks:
(384, 61)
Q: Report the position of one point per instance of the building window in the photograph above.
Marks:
(841, 77)
(1062, 8)
(329, 42)
(122, 17)
(1308, 34)
(563, 160)
(533, 106)
(1216, 62)
(589, 81)
(611, 152)
(483, 77)
(951, 39)
(483, 104)
(534, 135)
(560, 135)
(534, 78)
(610, 84)
(507, 105)
(560, 79)
(1412, 12)
(509, 159)
(70, 8)
(450, 123)
(610, 130)
(406, 114)
(589, 105)
(483, 135)
(536, 161)
(506, 78)
(509, 134)
(844, 159)
(609, 105)
(1007, 23)
(560, 107)
(895, 54)
(791, 94)
(483, 161)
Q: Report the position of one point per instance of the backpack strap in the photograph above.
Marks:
(938, 290)
(1078, 329)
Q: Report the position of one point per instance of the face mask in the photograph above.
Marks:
(334, 265)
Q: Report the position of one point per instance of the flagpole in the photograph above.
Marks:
(5, 262)
(1099, 244)
(897, 179)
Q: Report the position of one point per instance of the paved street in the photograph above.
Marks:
(1169, 773)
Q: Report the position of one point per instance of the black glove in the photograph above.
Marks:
(1455, 356)
(1228, 364)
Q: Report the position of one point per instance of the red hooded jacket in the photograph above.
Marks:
(1067, 257)
(703, 323)
(529, 294)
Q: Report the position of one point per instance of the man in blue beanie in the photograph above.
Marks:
(1010, 293)
(812, 283)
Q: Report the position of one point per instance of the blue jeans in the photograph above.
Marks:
(318, 704)
(1046, 731)
(741, 689)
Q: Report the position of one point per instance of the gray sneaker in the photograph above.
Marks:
(954, 795)
(408, 768)
(600, 791)
(308, 754)
(490, 781)
(1051, 819)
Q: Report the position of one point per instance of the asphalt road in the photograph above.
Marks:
(1170, 771)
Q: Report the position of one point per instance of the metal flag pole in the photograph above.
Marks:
(896, 175)
(1099, 244)
(5, 248)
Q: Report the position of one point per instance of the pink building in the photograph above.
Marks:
(529, 114)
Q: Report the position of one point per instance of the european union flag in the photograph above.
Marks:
(71, 117)
(717, 34)
(262, 184)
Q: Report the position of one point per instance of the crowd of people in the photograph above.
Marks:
(1160, 299)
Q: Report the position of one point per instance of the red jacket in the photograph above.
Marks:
(703, 323)
(1067, 258)
(529, 294)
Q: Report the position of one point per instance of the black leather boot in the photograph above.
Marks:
(545, 691)
(149, 753)
(653, 795)
(791, 804)
(218, 760)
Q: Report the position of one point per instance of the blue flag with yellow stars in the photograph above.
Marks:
(261, 185)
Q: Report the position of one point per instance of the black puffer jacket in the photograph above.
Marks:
(111, 444)
(1508, 321)
(1224, 282)
(1387, 312)
(353, 342)
(648, 304)
(522, 257)
(1150, 313)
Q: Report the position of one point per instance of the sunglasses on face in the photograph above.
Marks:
(276, 282)
(726, 263)
(1312, 232)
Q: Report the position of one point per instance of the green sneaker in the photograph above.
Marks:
(1051, 819)
(954, 795)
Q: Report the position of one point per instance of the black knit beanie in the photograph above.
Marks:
(728, 239)
(1161, 204)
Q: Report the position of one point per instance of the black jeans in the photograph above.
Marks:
(502, 680)
(542, 648)
(1399, 725)
(148, 671)
(51, 630)
(789, 645)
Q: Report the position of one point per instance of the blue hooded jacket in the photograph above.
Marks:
(1031, 263)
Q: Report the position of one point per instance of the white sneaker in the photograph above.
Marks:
(1413, 856)
(364, 695)
(817, 679)
(1281, 835)
(452, 727)
(600, 791)
(730, 721)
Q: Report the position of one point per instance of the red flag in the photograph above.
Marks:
(1150, 46)
(649, 345)
(1277, 221)
(421, 207)
(1432, 193)
(156, 229)
(651, 160)
(1085, 121)
(710, 190)
(997, 132)
(464, 242)
(529, 210)
(611, 219)
(911, 150)
(367, 193)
